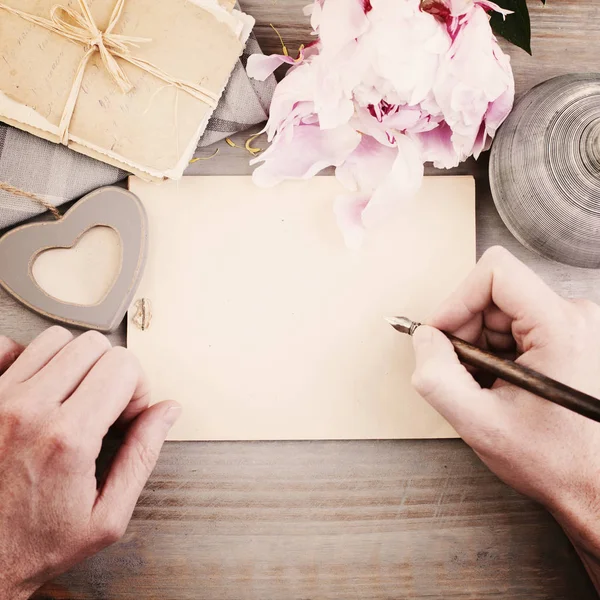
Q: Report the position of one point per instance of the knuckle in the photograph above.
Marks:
(589, 309)
(59, 333)
(496, 254)
(112, 530)
(9, 349)
(126, 361)
(96, 340)
(62, 440)
(13, 417)
(147, 457)
(425, 379)
(123, 354)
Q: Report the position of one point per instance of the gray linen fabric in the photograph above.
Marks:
(60, 175)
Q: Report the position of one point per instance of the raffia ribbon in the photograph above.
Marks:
(81, 29)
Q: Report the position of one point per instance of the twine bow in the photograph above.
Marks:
(80, 28)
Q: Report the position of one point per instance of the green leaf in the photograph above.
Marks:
(515, 28)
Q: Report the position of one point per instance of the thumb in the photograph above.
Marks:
(443, 381)
(131, 468)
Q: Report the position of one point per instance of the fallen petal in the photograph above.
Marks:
(260, 66)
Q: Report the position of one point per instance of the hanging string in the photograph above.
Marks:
(11, 189)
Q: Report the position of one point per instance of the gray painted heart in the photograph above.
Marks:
(111, 207)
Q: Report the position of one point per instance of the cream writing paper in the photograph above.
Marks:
(265, 326)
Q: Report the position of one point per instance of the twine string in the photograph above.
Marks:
(11, 189)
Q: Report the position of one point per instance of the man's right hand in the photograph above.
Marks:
(541, 449)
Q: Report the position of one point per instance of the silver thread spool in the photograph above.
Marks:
(545, 170)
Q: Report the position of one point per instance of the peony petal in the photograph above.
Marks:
(336, 75)
(260, 66)
(309, 151)
(406, 46)
(307, 10)
(402, 183)
(366, 123)
(367, 166)
(438, 147)
(459, 8)
(498, 110)
(472, 77)
(316, 12)
(348, 209)
(481, 142)
(340, 22)
(492, 6)
(294, 93)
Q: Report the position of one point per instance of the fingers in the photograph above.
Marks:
(498, 342)
(132, 467)
(116, 384)
(500, 280)
(64, 373)
(9, 352)
(497, 321)
(490, 329)
(445, 383)
(38, 354)
(471, 330)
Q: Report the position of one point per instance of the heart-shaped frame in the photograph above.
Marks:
(112, 207)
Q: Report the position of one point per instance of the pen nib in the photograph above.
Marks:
(402, 324)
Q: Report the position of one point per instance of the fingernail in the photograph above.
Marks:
(171, 415)
(423, 335)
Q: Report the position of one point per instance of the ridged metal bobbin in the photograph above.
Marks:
(545, 170)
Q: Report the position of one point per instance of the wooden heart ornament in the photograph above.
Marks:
(111, 207)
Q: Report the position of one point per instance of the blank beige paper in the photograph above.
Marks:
(265, 326)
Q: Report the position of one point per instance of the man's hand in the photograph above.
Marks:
(58, 398)
(543, 450)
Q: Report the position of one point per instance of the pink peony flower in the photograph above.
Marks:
(386, 86)
(474, 83)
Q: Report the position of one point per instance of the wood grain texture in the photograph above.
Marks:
(345, 520)
(323, 520)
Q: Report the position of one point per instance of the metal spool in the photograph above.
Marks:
(545, 170)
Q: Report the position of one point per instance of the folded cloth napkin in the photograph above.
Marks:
(59, 175)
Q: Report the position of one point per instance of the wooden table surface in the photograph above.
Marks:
(317, 520)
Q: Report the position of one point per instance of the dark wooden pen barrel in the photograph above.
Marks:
(527, 379)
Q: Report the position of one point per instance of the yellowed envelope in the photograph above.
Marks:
(153, 130)
(265, 326)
